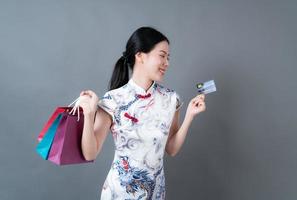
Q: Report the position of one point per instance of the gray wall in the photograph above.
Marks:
(242, 147)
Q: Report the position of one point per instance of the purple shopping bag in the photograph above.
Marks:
(66, 147)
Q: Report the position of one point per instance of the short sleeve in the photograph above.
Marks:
(107, 103)
(179, 102)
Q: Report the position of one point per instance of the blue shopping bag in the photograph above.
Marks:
(45, 144)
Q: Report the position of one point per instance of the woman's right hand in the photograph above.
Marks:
(88, 101)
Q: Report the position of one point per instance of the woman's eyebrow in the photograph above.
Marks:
(165, 52)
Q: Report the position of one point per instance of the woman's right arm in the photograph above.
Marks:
(94, 133)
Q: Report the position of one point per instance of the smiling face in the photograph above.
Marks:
(156, 61)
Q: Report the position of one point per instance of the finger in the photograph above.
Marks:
(90, 92)
(85, 98)
(197, 105)
(197, 97)
(201, 104)
(84, 92)
(87, 93)
(201, 96)
(196, 101)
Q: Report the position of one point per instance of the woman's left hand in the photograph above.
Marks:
(196, 105)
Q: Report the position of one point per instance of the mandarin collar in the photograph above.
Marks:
(139, 89)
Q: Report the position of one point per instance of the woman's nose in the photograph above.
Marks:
(166, 64)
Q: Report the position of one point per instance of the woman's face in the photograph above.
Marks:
(156, 61)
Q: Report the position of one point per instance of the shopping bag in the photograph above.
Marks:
(60, 138)
(45, 128)
(44, 145)
(57, 111)
(66, 145)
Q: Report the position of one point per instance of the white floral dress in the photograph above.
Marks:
(140, 128)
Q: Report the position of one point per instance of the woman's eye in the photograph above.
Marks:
(163, 56)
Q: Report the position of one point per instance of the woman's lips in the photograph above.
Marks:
(162, 71)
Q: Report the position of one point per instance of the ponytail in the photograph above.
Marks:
(120, 75)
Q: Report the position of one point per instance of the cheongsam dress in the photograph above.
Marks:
(140, 127)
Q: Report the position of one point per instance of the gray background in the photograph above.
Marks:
(242, 147)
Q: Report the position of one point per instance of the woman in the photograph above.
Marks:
(143, 117)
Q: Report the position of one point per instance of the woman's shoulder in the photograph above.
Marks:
(165, 89)
(114, 93)
(173, 94)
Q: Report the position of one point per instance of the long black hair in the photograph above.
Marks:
(143, 40)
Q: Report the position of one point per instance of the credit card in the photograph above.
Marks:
(206, 87)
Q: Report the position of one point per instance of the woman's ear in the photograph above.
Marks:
(139, 56)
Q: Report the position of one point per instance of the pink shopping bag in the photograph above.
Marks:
(66, 146)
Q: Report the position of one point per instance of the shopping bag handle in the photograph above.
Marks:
(74, 101)
(75, 107)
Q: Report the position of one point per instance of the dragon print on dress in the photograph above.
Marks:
(135, 179)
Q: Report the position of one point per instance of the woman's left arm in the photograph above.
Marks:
(178, 134)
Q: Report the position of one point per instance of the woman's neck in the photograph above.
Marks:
(143, 82)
